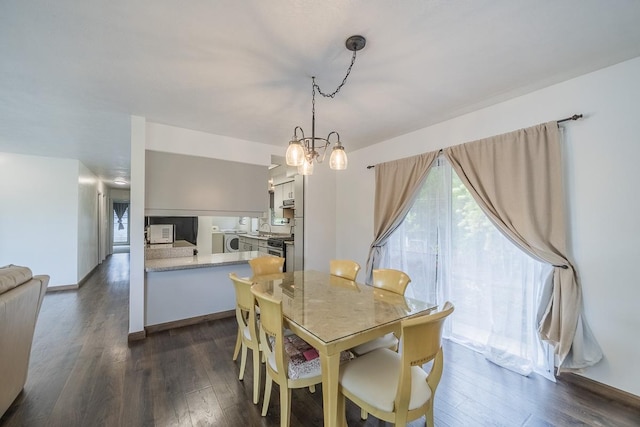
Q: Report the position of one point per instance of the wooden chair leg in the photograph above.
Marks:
(342, 413)
(256, 376)
(429, 414)
(401, 419)
(243, 361)
(285, 405)
(267, 395)
(237, 349)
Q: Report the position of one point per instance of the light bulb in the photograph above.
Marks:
(295, 153)
(306, 168)
(338, 160)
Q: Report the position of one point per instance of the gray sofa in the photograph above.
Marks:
(21, 296)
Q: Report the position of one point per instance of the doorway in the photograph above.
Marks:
(121, 234)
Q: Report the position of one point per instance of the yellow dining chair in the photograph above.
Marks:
(260, 266)
(394, 387)
(247, 330)
(266, 265)
(391, 280)
(344, 268)
(394, 281)
(288, 368)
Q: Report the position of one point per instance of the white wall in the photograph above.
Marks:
(39, 215)
(89, 189)
(136, 226)
(119, 194)
(600, 156)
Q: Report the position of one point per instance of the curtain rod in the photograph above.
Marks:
(574, 117)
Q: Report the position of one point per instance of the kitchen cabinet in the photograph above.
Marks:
(281, 192)
(288, 191)
(277, 200)
(253, 244)
(248, 244)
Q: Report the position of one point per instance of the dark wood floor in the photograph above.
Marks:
(84, 373)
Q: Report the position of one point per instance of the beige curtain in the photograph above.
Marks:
(516, 178)
(397, 184)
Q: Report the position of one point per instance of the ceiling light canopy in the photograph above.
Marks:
(302, 151)
(120, 181)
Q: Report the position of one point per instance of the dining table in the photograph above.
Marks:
(334, 314)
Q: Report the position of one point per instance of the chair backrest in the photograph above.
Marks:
(245, 305)
(421, 343)
(344, 268)
(266, 265)
(391, 280)
(272, 325)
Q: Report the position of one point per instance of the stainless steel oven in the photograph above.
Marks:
(275, 246)
(276, 252)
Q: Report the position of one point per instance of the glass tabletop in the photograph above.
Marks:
(332, 308)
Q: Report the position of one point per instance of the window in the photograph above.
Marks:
(452, 251)
(120, 223)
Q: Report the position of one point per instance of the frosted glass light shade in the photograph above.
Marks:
(306, 168)
(295, 154)
(338, 160)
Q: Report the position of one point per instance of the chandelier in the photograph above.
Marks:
(302, 151)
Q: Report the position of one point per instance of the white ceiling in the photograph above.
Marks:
(72, 72)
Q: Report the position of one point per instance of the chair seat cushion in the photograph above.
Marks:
(374, 379)
(12, 276)
(387, 341)
(246, 333)
(304, 360)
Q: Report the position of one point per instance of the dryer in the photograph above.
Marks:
(231, 242)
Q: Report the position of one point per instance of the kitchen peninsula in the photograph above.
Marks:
(190, 289)
(179, 248)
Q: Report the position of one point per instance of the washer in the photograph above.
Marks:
(231, 242)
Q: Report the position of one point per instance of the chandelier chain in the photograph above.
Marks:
(302, 151)
(344, 80)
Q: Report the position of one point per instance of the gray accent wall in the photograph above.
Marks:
(177, 184)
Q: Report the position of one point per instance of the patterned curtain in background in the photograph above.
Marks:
(120, 208)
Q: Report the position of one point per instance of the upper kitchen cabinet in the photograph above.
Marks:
(177, 184)
(288, 190)
(282, 192)
(283, 199)
(282, 178)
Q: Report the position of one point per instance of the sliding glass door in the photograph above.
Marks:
(453, 252)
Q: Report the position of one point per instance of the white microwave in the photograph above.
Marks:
(161, 233)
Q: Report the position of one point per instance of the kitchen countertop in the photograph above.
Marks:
(200, 261)
(263, 237)
(177, 249)
(176, 244)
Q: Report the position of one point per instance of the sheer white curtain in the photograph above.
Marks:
(452, 251)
